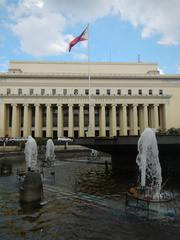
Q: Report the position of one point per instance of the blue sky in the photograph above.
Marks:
(120, 30)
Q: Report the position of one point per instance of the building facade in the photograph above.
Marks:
(55, 99)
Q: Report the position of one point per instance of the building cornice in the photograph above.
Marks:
(93, 76)
(83, 63)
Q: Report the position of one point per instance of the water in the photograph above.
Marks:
(84, 201)
(50, 155)
(148, 161)
(31, 153)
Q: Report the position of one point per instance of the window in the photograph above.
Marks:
(65, 91)
(129, 92)
(97, 91)
(108, 92)
(86, 91)
(31, 91)
(42, 91)
(119, 92)
(160, 92)
(140, 91)
(19, 91)
(53, 91)
(75, 91)
(150, 92)
(8, 91)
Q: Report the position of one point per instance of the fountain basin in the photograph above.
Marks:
(31, 189)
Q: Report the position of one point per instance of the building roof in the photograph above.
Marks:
(107, 68)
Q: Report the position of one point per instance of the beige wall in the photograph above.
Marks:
(82, 67)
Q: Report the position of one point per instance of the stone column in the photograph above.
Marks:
(30, 119)
(48, 120)
(14, 132)
(26, 131)
(165, 119)
(3, 120)
(135, 122)
(102, 120)
(141, 118)
(37, 120)
(155, 116)
(60, 120)
(70, 121)
(113, 121)
(91, 127)
(81, 120)
(123, 120)
(145, 116)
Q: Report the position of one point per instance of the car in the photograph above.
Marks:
(65, 139)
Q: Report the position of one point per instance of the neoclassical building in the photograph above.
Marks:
(55, 99)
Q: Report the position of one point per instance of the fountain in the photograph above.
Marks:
(31, 188)
(50, 156)
(148, 163)
(31, 154)
(149, 196)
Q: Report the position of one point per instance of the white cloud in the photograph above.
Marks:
(2, 2)
(41, 32)
(161, 71)
(178, 68)
(39, 38)
(80, 56)
(41, 24)
(81, 10)
(155, 17)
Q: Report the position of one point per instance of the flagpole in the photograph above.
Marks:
(89, 83)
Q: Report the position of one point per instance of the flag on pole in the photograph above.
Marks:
(82, 37)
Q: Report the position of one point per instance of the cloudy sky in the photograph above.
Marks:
(120, 30)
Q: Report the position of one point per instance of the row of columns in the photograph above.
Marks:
(133, 112)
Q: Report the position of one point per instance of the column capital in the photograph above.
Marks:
(81, 104)
(103, 104)
(156, 104)
(92, 105)
(48, 105)
(25, 104)
(145, 105)
(37, 104)
(135, 105)
(113, 105)
(70, 104)
(14, 104)
(124, 105)
(59, 104)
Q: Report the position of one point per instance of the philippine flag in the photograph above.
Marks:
(82, 37)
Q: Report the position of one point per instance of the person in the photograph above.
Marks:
(31, 154)
(94, 153)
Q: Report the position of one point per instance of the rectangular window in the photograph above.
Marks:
(53, 91)
(140, 91)
(97, 91)
(75, 91)
(129, 92)
(42, 91)
(65, 91)
(119, 92)
(108, 92)
(160, 92)
(31, 91)
(86, 91)
(150, 92)
(19, 91)
(8, 91)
